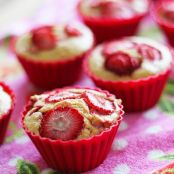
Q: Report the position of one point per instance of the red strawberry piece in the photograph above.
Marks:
(121, 63)
(61, 96)
(107, 7)
(97, 3)
(43, 38)
(102, 4)
(169, 15)
(149, 52)
(99, 103)
(61, 123)
(167, 10)
(113, 8)
(72, 31)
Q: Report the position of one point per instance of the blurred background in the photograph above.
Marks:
(18, 15)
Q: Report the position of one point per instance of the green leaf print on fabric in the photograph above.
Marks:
(26, 167)
(16, 132)
(152, 32)
(4, 46)
(7, 39)
(10, 69)
(167, 157)
(169, 89)
(166, 103)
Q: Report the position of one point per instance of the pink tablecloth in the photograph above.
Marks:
(144, 143)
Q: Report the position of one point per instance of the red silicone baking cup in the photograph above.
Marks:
(136, 95)
(166, 27)
(74, 156)
(108, 29)
(4, 119)
(49, 75)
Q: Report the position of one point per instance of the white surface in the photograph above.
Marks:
(15, 10)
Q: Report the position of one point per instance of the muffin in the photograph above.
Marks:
(110, 19)
(6, 106)
(74, 124)
(52, 55)
(163, 12)
(135, 69)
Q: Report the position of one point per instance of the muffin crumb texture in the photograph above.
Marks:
(166, 11)
(55, 43)
(130, 58)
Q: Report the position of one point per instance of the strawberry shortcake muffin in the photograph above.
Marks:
(163, 12)
(73, 122)
(133, 68)
(52, 55)
(109, 19)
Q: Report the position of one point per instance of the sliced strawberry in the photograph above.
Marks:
(121, 63)
(43, 38)
(103, 4)
(167, 10)
(149, 52)
(117, 10)
(62, 123)
(98, 3)
(72, 31)
(107, 8)
(111, 8)
(169, 15)
(99, 103)
(61, 96)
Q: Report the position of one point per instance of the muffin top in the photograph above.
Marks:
(120, 9)
(71, 113)
(129, 58)
(165, 10)
(5, 101)
(54, 43)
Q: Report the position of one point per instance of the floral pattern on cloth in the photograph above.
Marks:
(10, 69)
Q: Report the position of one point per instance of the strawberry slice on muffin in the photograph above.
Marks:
(66, 94)
(99, 103)
(43, 38)
(62, 123)
(72, 31)
(122, 63)
(149, 52)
